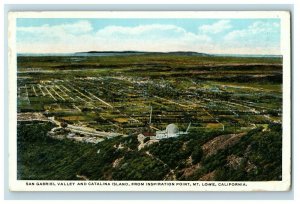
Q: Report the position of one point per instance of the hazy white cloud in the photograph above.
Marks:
(258, 37)
(151, 37)
(78, 37)
(81, 36)
(217, 27)
(72, 28)
(254, 31)
(152, 29)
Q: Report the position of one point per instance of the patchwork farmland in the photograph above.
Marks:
(99, 97)
(119, 100)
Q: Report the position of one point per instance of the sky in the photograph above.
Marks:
(213, 36)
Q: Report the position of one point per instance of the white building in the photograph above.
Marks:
(171, 131)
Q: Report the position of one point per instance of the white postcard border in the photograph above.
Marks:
(22, 185)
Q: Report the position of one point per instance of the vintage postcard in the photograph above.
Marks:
(149, 101)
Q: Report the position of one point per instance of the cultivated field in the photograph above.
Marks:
(81, 117)
(115, 93)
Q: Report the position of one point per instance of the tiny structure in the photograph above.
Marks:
(171, 131)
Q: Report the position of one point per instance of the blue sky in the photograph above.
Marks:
(221, 36)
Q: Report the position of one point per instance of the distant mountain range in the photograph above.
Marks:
(185, 53)
(126, 53)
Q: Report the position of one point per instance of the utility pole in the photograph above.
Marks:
(187, 130)
(150, 115)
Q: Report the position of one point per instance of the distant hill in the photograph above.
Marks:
(128, 53)
(183, 53)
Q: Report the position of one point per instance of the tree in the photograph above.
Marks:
(197, 155)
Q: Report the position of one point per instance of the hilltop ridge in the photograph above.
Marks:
(185, 53)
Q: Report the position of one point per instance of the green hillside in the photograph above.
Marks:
(256, 156)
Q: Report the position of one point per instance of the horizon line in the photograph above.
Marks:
(138, 51)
